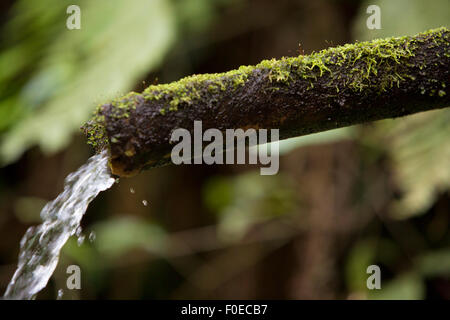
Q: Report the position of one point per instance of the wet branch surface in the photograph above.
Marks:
(333, 88)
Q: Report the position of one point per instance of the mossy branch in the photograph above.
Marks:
(333, 88)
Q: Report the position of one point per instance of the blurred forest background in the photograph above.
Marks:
(343, 200)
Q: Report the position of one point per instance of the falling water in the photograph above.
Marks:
(40, 246)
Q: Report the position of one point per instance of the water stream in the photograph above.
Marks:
(41, 245)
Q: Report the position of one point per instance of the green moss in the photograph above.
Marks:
(361, 60)
(123, 105)
(96, 132)
(188, 89)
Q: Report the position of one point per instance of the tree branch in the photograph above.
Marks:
(333, 88)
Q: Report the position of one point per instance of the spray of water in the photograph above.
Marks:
(41, 245)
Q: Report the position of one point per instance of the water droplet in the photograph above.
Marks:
(116, 180)
(144, 202)
(92, 236)
(80, 240)
(78, 231)
(132, 190)
(60, 294)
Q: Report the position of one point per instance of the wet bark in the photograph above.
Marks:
(334, 88)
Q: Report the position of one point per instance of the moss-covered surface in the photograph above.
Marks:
(292, 93)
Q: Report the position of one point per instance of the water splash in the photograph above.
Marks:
(78, 231)
(40, 246)
(80, 240)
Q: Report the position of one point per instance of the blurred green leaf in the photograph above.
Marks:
(246, 199)
(89, 260)
(119, 235)
(317, 138)
(361, 256)
(71, 70)
(435, 263)
(404, 287)
(419, 146)
(84, 254)
(287, 145)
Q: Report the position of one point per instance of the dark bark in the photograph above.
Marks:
(333, 88)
